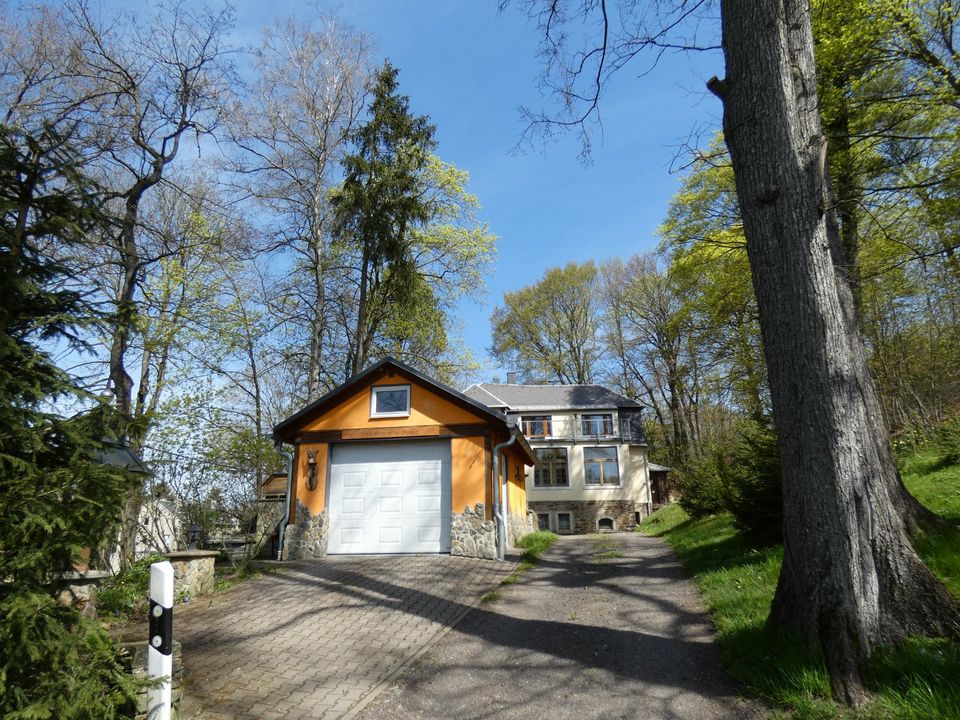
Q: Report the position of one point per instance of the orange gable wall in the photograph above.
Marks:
(469, 468)
(312, 499)
(517, 487)
(469, 459)
(426, 408)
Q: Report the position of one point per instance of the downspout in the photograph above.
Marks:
(646, 473)
(497, 492)
(288, 499)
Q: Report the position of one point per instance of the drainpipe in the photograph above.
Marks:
(497, 492)
(286, 513)
(646, 474)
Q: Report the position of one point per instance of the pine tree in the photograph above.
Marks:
(55, 498)
(382, 200)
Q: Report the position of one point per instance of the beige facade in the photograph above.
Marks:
(592, 507)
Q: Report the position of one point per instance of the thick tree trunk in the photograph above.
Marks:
(850, 577)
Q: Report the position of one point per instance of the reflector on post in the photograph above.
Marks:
(160, 650)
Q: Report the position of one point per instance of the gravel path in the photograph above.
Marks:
(603, 627)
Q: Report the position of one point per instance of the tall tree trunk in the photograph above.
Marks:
(850, 578)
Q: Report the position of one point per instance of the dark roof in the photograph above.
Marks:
(284, 430)
(549, 397)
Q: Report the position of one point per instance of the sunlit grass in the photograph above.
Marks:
(737, 580)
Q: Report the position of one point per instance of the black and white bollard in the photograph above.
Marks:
(160, 652)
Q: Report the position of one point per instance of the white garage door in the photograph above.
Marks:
(390, 498)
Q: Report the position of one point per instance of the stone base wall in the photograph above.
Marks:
(518, 526)
(80, 590)
(586, 513)
(192, 571)
(472, 535)
(307, 538)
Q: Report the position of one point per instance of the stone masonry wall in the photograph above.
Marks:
(307, 538)
(472, 535)
(518, 526)
(586, 513)
(192, 571)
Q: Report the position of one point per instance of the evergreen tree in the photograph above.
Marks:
(382, 201)
(55, 498)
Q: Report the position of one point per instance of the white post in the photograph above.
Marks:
(160, 650)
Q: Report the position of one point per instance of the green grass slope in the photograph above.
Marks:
(917, 681)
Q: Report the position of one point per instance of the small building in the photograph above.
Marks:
(393, 461)
(592, 474)
(659, 484)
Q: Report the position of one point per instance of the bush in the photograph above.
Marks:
(126, 592)
(946, 441)
(699, 488)
(752, 484)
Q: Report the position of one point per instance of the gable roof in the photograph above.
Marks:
(549, 397)
(285, 429)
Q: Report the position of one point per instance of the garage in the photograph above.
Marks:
(390, 497)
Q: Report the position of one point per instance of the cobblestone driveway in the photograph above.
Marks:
(320, 639)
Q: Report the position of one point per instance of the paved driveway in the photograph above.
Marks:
(318, 640)
(602, 628)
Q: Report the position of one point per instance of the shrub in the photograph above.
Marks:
(126, 592)
(752, 484)
(699, 488)
(946, 441)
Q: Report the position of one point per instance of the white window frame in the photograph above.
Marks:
(376, 390)
(601, 484)
(549, 466)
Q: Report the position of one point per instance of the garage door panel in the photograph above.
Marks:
(429, 476)
(354, 478)
(390, 498)
(352, 506)
(351, 536)
(391, 478)
(391, 504)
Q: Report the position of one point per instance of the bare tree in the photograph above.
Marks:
(290, 132)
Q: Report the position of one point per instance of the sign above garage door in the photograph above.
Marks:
(390, 497)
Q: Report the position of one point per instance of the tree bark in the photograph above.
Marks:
(850, 578)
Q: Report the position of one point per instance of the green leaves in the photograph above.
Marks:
(550, 330)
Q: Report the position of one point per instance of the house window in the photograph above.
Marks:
(553, 468)
(536, 426)
(558, 522)
(390, 401)
(600, 466)
(597, 425)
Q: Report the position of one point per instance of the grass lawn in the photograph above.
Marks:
(920, 680)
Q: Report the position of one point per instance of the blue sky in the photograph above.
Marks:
(470, 68)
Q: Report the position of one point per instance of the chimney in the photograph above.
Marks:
(511, 378)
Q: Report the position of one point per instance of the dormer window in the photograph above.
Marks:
(389, 401)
